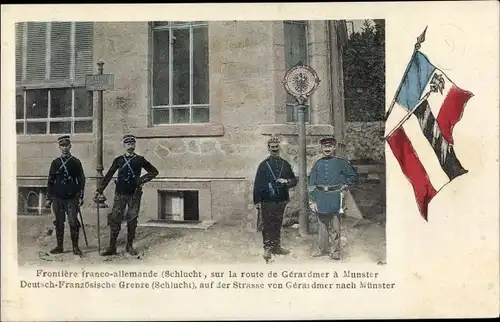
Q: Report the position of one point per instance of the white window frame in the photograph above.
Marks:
(174, 196)
(170, 27)
(70, 84)
(180, 197)
(293, 106)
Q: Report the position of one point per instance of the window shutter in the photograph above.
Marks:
(295, 43)
(19, 51)
(60, 50)
(84, 49)
(36, 52)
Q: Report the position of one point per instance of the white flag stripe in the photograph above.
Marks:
(425, 153)
(435, 133)
(397, 114)
(436, 100)
(426, 117)
(445, 147)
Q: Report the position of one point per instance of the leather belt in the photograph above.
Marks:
(329, 188)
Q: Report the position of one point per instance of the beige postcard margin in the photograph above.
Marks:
(446, 267)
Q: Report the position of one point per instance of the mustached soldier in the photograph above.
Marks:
(329, 176)
(65, 187)
(128, 192)
(270, 195)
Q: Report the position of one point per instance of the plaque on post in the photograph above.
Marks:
(99, 82)
(301, 81)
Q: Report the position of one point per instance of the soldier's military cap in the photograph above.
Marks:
(63, 139)
(273, 139)
(328, 140)
(128, 138)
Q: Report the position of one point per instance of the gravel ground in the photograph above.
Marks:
(363, 242)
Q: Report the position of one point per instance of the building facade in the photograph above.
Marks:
(202, 98)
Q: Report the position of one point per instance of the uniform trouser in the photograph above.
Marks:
(329, 233)
(63, 208)
(272, 219)
(132, 202)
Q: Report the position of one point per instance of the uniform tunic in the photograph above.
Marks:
(65, 185)
(127, 192)
(329, 172)
(66, 178)
(265, 186)
(129, 174)
(273, 197)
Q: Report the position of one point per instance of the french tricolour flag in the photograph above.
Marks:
(422, 142)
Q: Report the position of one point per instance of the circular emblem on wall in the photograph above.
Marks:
(301, 81)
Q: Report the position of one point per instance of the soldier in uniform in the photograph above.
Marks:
(328, 178)
(270, 195)
(65, 188)
(128, 192)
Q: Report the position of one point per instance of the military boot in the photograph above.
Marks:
(113, 236)
(60, 239)
(267, 254)
(335, 251)
(335, 256)
(131, 226)
(319, 253)
(74, 238)
(278, 250)
(335, 246)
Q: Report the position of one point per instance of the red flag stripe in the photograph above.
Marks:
(413, 169)
(451, 111)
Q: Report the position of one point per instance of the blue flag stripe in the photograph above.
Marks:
(415, 81)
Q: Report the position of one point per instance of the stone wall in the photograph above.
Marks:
(364, 141)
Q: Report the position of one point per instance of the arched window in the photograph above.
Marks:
(31, 201)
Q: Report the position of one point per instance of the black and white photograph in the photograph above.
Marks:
(200, 141)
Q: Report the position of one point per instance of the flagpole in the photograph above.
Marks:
(418, 44)
(407, 116)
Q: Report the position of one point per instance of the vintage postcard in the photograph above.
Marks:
(250, 161)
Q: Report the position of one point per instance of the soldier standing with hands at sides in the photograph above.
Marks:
(128, 192)
(65, 189)
(270, 195)
(329, 177)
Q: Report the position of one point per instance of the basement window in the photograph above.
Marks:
(31, 201)
(179, 206)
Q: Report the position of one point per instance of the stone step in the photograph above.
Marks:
(369, 168)
(205, 224)
(372, 178)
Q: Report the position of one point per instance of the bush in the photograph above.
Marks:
(364, 74)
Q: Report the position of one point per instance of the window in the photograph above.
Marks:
(31, 201)
(52, 59)
(295, 51)
(179, 206)
(180, 92)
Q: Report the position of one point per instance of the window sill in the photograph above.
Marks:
(52, 138)
(292, 129)
(180, 130)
